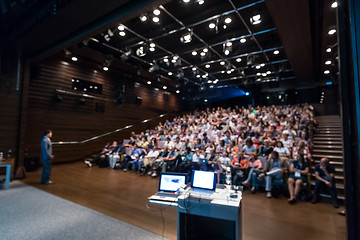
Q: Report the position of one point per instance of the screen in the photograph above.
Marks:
(171, 182)
(204, 180)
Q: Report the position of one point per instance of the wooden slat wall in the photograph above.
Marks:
(71, 121)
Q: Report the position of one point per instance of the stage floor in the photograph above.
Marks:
(123, 195)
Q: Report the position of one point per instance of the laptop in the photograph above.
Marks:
(170, 183)
(203, 183)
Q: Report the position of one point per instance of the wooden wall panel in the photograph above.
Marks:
(71, 121)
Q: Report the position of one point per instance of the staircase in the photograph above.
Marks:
(328, 143)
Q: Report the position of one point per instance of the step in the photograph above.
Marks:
(327, 135)
(327, 147)
(339, 196)
(331, 131)
(334, 163)
(329, 127)
(327, 151)
(339, 170)
(327, 156)
(339, 143)
(328, 138)
(337, 177)
(338, 185)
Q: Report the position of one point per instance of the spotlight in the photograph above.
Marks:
(223, 71)
(229, 44)
(207, 65)
(227, 20)
(170, 73)
(250, 59)
(228, 71)
(198, 76)
(334, 5)
(105, 68)
(262, 65)
(156, 12)
(247, 93)
(143, 18)
(141, 51)
(264, 74)
(209, 81)
(122, 33)
(257, 67)
(194, 69)
(121, 27)
(212, 25)
(201, 2)
(222, 63)
(276, 52)
(216, 81)
(328, 50)
(256, 19)
(258, 74)
(238, 60)
(154, 68)
(166, 60)
(203, 54)
(328, 62)
(152, 49)
(227, 52)
(243, 40)
(205, 50)
(332, 31)
(186, 1)
(187, 37)
(156, 19)
(149, 82)
(194, 53)
(224, 26)
(205, 100)
(326, 72)
(164, 87)
(177, 91)
(125, 56)
(74, 59)
(152, 45)
(268, 72)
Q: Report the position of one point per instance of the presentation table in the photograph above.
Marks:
(205, 216)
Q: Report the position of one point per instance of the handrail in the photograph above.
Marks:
(108, 133)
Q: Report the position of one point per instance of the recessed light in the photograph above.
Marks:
(228, 20)
(194, 53)
(170, 73)
(276, 52)
(328, 62)
(258, 67)
(143, 18)
(264, 74)
(238, 59)
(205, 50)
(262, 65)
(152, 45)
(228, 71)
(177, 91)
(222, 63)
(157, 12)
(258, 74)
(166, 60)
(105, 68)
(194, 68)
(152, 49)
(328, 50)
(227, 52)
(205, 100)
(212, 25)
(332, 31)
(326, 72)
(164, 87)
(334, 5)
(198, 76)
(207, 65)
(149, 82)
(122, 33)
(209, 81)
(201, 2)
(229, 44)
(74, 59)
(121, 27)
(156, 19)
(268, 72)
(223, 71)
(203, 53)
(243, 40)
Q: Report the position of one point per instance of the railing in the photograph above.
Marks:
(109, 133)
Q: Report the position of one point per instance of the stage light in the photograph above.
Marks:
(238, 60)
(243, 40)
(227, 20)
(205, 100)
(276, 52)
(247, 93)
(194, 53)
(186, 1)
(227, 52)
(209, 81)
(205, 50)
(74, 59)
(258, 74)
(262, 65)
(105, 68)
(143, 18)
(229, 44)
(198, 76)
(326, 72)
(166, 60)
(216, 81)
(334, 5)
(228, 71)
(268, 72)
(121, 27)
(186, 38)
(156, 12)
(141, 51)
(332, 31)
(328, 62)
(201, 2)
(164, 87)
(257, 67)
(149, 82)
(194, 69)
(256, 19)
(207, 65)
(152, 49)
(328, 50)
(156, 19)
(264, 74)
(122, 34)
(212, 25)
(224, 26)
(177, 91)
(203, 54)
(222, 63)
(170, 73)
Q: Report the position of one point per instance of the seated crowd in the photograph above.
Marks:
(261, 146)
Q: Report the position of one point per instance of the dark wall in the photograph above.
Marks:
(71, 120)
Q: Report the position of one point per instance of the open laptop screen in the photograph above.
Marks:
(203, 180)
(171, 182)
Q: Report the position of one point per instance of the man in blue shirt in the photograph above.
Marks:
(46, 156)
